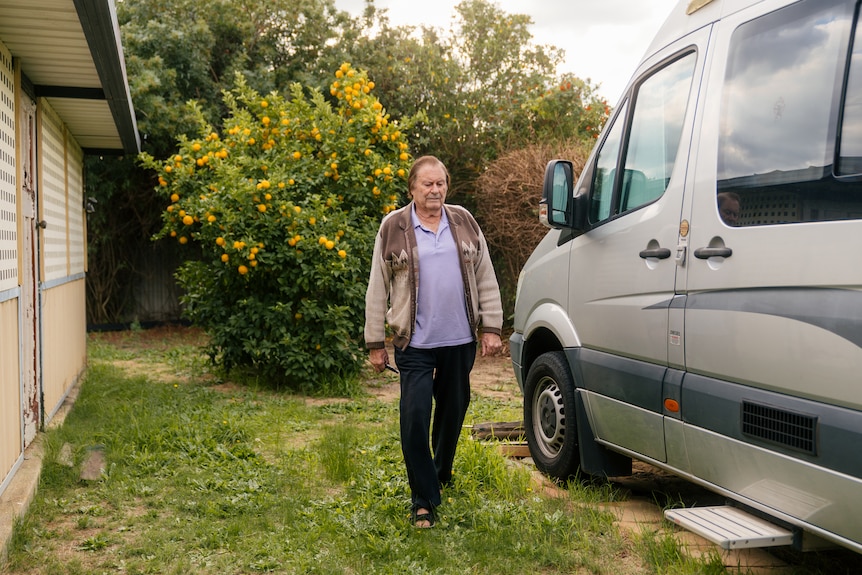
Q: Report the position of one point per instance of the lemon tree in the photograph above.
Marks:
(282, 206)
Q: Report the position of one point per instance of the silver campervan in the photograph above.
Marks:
(697, 304)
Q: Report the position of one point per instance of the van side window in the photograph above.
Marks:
(656, 130)
(778, 135)
(649, 152)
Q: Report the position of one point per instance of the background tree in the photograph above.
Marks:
(482, 88)
(176, 51)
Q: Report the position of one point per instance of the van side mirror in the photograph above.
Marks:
(559, 208)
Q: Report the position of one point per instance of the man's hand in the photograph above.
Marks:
(491, 344)
(378, 358)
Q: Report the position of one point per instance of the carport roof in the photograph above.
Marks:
(70, 51)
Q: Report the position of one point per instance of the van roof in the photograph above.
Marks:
(690, 15)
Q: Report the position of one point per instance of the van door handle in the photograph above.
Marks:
(658, 253)
(706, 253)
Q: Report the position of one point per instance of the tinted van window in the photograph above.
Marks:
(780, 116)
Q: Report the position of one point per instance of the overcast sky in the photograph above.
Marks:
(603, 39)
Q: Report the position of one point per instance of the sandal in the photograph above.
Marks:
(426, 516)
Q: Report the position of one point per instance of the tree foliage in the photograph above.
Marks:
(284, 205)
(176, 51)
(483, 87)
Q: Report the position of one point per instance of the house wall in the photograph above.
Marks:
(63, 249)
(10, 389)
(60, 333)
(64, 342)
(10, 363)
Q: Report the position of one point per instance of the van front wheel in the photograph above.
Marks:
(549, 416)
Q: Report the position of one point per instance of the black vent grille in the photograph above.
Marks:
(786, 428)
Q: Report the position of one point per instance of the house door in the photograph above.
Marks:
(32, 395)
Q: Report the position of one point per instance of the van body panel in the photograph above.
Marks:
(811, 431)
(713, 327)
(541, 281)
(799, 492)
(763, 328)
(617, 423)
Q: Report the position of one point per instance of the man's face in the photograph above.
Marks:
(429, 189)
(729, 210)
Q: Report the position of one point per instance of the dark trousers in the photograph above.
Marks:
(438, 378)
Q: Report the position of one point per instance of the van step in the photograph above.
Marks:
(730, 527)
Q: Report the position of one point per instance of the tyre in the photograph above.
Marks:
(549, 416)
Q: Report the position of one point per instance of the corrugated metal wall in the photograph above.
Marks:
(10, 365)
(10, 389)
(63, 302)
(64, 342)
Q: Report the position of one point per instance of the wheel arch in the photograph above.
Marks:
(548, 328)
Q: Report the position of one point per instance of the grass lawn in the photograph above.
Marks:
(208, 475)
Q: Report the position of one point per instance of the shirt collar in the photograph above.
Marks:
(444, 221)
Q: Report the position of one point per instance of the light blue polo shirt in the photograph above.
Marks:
(441, 312)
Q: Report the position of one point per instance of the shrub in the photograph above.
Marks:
(284, 206)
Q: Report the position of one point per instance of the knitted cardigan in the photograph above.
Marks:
(394, 281)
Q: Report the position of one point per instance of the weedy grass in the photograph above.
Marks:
(204, 476)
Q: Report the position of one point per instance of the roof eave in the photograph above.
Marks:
(102, 30)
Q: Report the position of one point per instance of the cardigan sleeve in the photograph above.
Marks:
(490, 302)
(376, 299)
